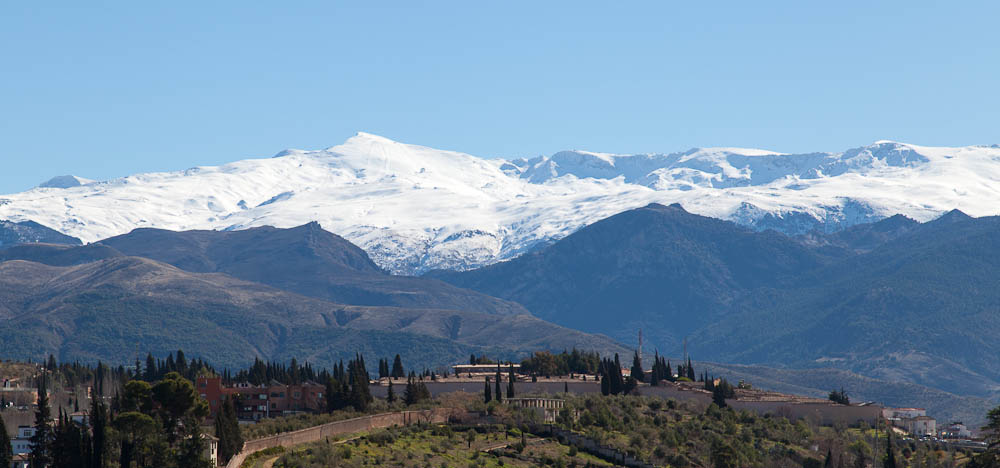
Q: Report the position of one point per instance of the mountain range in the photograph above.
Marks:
(897, 299)
(414, 209)
(103, 301)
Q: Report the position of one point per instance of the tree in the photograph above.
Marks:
(828, 463)
(890, 455)
(991, 432)
(723, 455)
(41, 442)
(510, 382)
(227, 429)
(397, 368)
(417, 391)
(499, 395)
(335, 398)
(840, 397)
(134, 428)
(721, 392)
(488, 393)
(637, 373)
(391, 396)
(6, 452)
(191, 450)
(470, 436)
(98, 426)
(176, 398)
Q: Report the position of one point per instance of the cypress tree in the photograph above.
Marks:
(488, 393)
(890, 455)
(499, 395)
(6, 451)
(397, 368)
(227, 429)
(41, 442)
(391, 396)
(510, 382)
(637, 373)
(98, 425)
(829, 458)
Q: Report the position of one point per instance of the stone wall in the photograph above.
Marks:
(347, 426)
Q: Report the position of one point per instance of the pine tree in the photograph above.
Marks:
(6, 451)
(41, 442)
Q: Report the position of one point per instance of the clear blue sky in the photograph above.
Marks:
(103, 90)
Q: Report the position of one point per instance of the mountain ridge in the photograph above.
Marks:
(414, 208)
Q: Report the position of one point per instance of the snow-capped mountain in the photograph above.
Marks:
(415, 208)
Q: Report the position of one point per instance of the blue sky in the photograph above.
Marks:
(103, 90)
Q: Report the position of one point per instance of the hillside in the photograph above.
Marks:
(414, 208)
(819, 382)
(896, 300)
(658, 268)
(103, 310)
(28, 232)
(306, 260)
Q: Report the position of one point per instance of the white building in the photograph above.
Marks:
(22, 443)
(903, 413)
(920, 425)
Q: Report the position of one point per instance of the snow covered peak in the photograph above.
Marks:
(414, 208)
(65, 181)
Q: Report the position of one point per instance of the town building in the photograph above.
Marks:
(903, 413)
(484, 369)
(256, 402)
(546, 408)
(956, 430)
(22, 443)
(920, 425)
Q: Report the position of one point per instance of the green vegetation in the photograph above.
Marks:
(656, 431)
(439, 446)
(252, 460)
